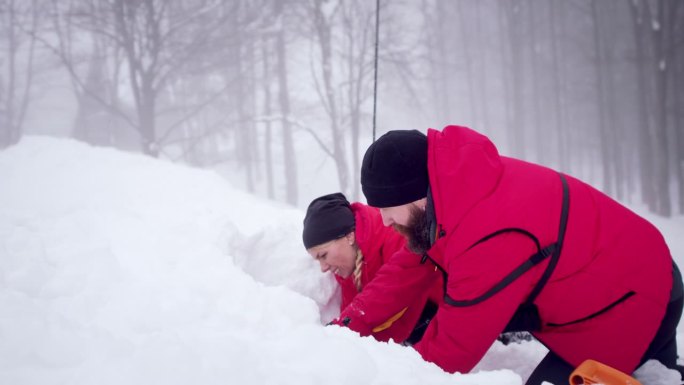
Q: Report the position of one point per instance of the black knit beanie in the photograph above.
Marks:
(328, 217)
(394, 170)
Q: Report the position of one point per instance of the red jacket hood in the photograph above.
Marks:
(469, 170)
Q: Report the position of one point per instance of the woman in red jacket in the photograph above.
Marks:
(350, 241)
(522, 247)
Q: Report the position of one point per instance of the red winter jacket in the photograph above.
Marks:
(607, 295)
(382, 246)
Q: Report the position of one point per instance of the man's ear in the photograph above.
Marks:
(422, 203)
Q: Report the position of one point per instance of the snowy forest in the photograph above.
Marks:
(279, 94)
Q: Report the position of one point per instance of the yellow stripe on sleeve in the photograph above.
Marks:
(390, 321)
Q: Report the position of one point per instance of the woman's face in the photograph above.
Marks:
(338, 256)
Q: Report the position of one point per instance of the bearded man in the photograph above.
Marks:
(522, 248)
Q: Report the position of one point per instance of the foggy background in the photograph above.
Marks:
(277, 95)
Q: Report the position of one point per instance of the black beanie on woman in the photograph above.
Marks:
(394, 169)
(328, 217)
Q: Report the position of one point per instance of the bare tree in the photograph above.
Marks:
(322, 16)
(557, 31)
(290, 159)
(661, 18)
(437, 56)
(602, 72)
(157, 39)
(94, 123)
(266, 48)
(242, 62)
(465, 44)
(18, 24)
(514, 21)
(358, 30)
(533, 48)
(678, 101)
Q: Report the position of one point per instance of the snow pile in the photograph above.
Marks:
(120, 269)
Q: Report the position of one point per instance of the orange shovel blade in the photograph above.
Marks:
(591, 372)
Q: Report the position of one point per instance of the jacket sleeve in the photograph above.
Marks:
(458, 337)
(400, 286)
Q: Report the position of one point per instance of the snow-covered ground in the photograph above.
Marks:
(120, 269)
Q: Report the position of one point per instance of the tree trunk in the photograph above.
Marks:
(542, 134)
(675, 24)
(91, 124)
(644, 147)
(480, 72)
(614, 145)
(353, 98)
(678, 82)
(465, 46)
(141, 78)
(443, 81)
(252, 154)
(517, 131)
(678, 111)
(659, 132)
(358, 24)
(10, 105)
(290, 160)
(557, 20)
(147, 118)
(268, 155)
(505, 64)
(324, 35)
(242, 134)
(15, 94)
(601, 99)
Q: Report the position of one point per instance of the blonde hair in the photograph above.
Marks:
(358, 266)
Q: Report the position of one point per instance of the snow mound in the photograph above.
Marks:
(120, 269)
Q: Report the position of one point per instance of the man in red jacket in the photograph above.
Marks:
(522, 247)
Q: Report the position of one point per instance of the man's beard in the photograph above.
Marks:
(416, 231)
